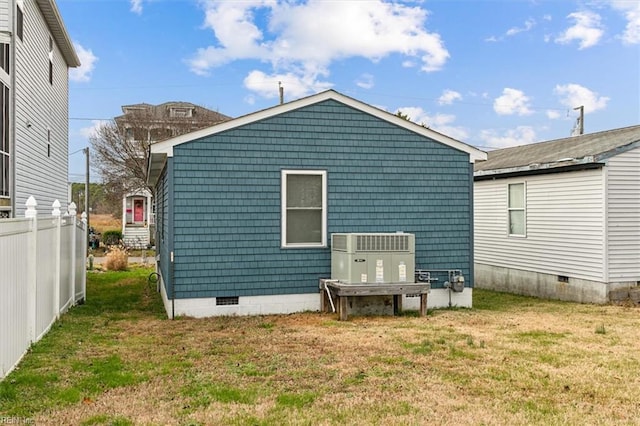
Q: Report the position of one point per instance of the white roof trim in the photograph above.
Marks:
(166, 146)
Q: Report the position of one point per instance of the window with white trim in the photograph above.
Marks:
(304, 208)
(517, 209)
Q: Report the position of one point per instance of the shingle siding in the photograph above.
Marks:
(381, 178)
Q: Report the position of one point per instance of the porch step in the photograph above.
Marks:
(136, 237)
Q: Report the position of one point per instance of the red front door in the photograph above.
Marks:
(138, 210)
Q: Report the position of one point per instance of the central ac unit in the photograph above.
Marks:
(378, 258)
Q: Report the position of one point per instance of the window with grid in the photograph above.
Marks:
(304, 208)
(517, 209)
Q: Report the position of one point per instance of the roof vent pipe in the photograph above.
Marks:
(579, 127)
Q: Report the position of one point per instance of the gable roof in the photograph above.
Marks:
(160, 150)
(58, 31)
(588, 150)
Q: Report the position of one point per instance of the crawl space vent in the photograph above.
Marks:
(221, 301)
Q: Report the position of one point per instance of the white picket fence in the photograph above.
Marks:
(42, 274)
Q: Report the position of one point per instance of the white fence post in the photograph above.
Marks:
(58, 222)
(83, 217)
(71, 212)
(32, 272)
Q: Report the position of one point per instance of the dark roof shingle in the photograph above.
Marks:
(588, 148)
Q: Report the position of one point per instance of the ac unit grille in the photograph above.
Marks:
(386, 243)
(339, 242)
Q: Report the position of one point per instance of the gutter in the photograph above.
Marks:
(560, 166)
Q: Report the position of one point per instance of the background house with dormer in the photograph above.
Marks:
(35, 56)
(147, 124)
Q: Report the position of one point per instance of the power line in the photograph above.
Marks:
(90, 119)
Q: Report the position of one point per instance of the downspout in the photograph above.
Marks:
(472, 230)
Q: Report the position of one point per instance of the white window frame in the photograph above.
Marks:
(283, 180)
(522, 209)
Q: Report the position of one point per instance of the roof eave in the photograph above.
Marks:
(167, 145)
(533, 169)
(155, 166)
(58, 31)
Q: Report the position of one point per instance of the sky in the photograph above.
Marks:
(491, 74)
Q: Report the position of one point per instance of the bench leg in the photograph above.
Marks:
(397, 304)
(342, 302)
(423, 304)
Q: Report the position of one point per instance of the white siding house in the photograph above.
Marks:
(36, 55)
(574, 234)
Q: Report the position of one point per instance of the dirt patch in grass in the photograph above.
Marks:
(536, 362)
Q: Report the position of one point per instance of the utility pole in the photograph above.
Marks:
(580, 119)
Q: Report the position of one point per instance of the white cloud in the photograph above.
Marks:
(528, 25)
(366, 81)
(587, 30)
(511, 102)
(448, 96)
(136, 6)
(294, 85)
(521, 135)
(287, 35)
(553, 114)
(573, 95)
(87, 64)
(91, 131)
(441, 123)
(631, 11)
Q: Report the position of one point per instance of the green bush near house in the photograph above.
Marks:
(111, 237)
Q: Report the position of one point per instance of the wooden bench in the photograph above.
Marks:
(342, 291)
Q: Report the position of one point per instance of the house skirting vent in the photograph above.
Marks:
(223, 301)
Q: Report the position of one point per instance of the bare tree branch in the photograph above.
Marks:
(120, 147)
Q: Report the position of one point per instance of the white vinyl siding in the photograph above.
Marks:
(623, 216)
(39, 107)
(304, 208)
(5, 16)
(565, 230)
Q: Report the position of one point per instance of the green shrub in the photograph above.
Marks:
(111, 238)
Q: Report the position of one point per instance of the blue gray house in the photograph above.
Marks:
(245, 208)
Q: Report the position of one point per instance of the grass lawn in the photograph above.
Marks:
(509, 361)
